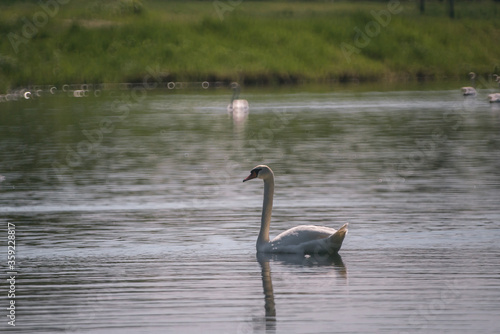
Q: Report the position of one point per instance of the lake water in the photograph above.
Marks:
(131, 216)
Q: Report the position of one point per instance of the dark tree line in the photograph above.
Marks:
(451, 7)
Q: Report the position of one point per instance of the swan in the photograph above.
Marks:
(470, 91)
(495, 97)
(303, 239)
(237, 104)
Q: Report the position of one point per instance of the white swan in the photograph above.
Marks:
(470, 91)
(237, 105)
(495, 97)
(303, 239)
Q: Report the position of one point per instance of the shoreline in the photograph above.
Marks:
(85, 90)
(274, 43)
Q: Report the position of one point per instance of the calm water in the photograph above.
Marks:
(130, 214)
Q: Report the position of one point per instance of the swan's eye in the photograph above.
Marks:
(256, 171)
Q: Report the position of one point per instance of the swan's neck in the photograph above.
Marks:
(267, 208)
(236, 94)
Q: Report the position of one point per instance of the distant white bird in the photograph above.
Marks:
(495, 97)
(237, 105)
(470, 90)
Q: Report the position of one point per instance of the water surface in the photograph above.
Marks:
(131, 215)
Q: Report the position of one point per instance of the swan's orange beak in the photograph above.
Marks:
(252, 175)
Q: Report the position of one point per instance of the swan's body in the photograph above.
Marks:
(303, 239)
(495, 97)
(306, 239)
(470, 91)
(237, 105)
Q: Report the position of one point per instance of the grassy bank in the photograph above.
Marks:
(253, 42)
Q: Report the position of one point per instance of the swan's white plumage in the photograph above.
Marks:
(303, 239)
(495, 97)
(306, 239)
(470, 91)
(237, 105)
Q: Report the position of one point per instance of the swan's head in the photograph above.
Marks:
(261, 171)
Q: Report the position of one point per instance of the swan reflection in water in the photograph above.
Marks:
(268, 322)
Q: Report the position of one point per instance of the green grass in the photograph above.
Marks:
(255, 42)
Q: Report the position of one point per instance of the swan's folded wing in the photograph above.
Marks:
(326, 246)
(303, 233)
(309, 239)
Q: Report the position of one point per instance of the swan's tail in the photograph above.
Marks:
(336, 239)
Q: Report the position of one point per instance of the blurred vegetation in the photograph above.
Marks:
(255, 42)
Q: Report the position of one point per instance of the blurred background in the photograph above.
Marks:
(56, 42)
